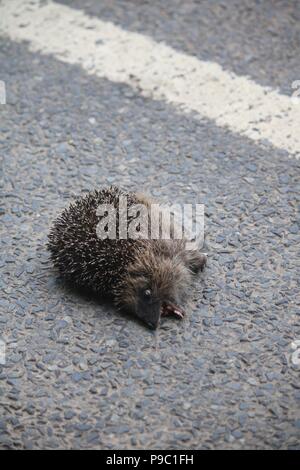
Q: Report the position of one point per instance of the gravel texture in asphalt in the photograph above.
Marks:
(80, 375)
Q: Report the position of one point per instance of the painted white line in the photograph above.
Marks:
(154, 69)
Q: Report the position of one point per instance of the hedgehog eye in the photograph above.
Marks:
(147, 294)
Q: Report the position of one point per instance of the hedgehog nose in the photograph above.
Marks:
(149, 313)
(153, 324)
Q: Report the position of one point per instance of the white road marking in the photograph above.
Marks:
(155, 70)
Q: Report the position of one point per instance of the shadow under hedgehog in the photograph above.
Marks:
(147, 277)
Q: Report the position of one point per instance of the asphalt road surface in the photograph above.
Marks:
(199, 108)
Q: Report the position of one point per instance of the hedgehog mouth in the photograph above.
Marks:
(169, 309)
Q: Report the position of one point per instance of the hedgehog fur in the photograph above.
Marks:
(149, 278)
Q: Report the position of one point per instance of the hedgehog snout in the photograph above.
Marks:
(149, 312)
(148, 308)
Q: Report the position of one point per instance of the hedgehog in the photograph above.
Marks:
(150, 278)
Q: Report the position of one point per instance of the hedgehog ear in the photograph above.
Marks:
(195, 260)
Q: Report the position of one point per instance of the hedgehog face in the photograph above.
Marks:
(139, 296)
(156, 287)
